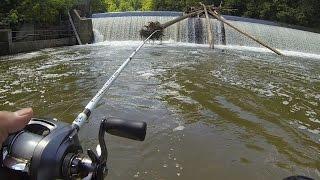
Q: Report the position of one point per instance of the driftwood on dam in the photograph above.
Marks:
(220, 18)
(209, 28)
(147, 30)
(202, 11)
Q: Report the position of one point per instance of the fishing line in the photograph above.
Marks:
(74, 102)
(83, 116)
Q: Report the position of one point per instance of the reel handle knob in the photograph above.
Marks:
(135, 130)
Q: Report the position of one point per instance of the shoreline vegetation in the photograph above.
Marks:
(13, 13)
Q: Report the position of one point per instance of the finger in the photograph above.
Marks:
(22, 118)
(3, 135)
(13, 122)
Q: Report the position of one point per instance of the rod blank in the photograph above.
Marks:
(83, 116)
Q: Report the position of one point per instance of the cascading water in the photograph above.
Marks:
(278, 37)
(126, 26)
(119, 27)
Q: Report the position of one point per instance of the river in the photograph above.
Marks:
(211, 114)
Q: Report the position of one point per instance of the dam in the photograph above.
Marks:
(124, 26)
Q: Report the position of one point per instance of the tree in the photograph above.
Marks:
(98, 5)
(147, 5)
(136, 4)
(112, 5)
(125, 5)
(299, 12)
(15, 12)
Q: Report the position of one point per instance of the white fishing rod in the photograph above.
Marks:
(83, 116)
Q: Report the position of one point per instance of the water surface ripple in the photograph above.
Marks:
(212, 114)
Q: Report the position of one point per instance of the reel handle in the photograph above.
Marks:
(135, 130)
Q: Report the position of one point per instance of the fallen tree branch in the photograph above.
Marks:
(220, 18)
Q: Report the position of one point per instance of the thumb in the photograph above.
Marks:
(15, 121)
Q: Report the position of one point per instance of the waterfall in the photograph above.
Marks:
(276, 36)
(126, 26)
(117, 26)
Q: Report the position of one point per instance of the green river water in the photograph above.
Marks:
(211, 114)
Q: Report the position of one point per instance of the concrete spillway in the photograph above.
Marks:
(126, 26)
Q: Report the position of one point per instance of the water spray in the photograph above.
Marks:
(50, 149)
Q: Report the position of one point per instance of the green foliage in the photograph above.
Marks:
(299, 12)
(98, 5)
(137, 4)
(112, 5)
(10, 19)
(125, 5)
(147, 5)
(13, 17)
(14, 12)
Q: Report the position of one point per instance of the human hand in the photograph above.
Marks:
(11, 122)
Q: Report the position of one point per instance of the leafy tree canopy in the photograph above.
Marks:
(298, 12)
(12, 12)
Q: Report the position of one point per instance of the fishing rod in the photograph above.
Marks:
(83, 116)
(50, 149)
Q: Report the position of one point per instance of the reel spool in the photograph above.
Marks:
(48, 149)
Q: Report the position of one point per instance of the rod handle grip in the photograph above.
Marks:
(135, 130)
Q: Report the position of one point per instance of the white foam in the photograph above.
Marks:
(314, 120)
(25, 55)
(3, 90)
(285, 103)
(302, 127)
(118, 43)
(315, 131)
(9, 103)
(264, 50)
(50, 76)
(179, 128)
(98, 37)
(47, 66)
(147, 75)
(301, 54)
(310, 113)
(227, 47)
(15, 83)
(17, 91)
